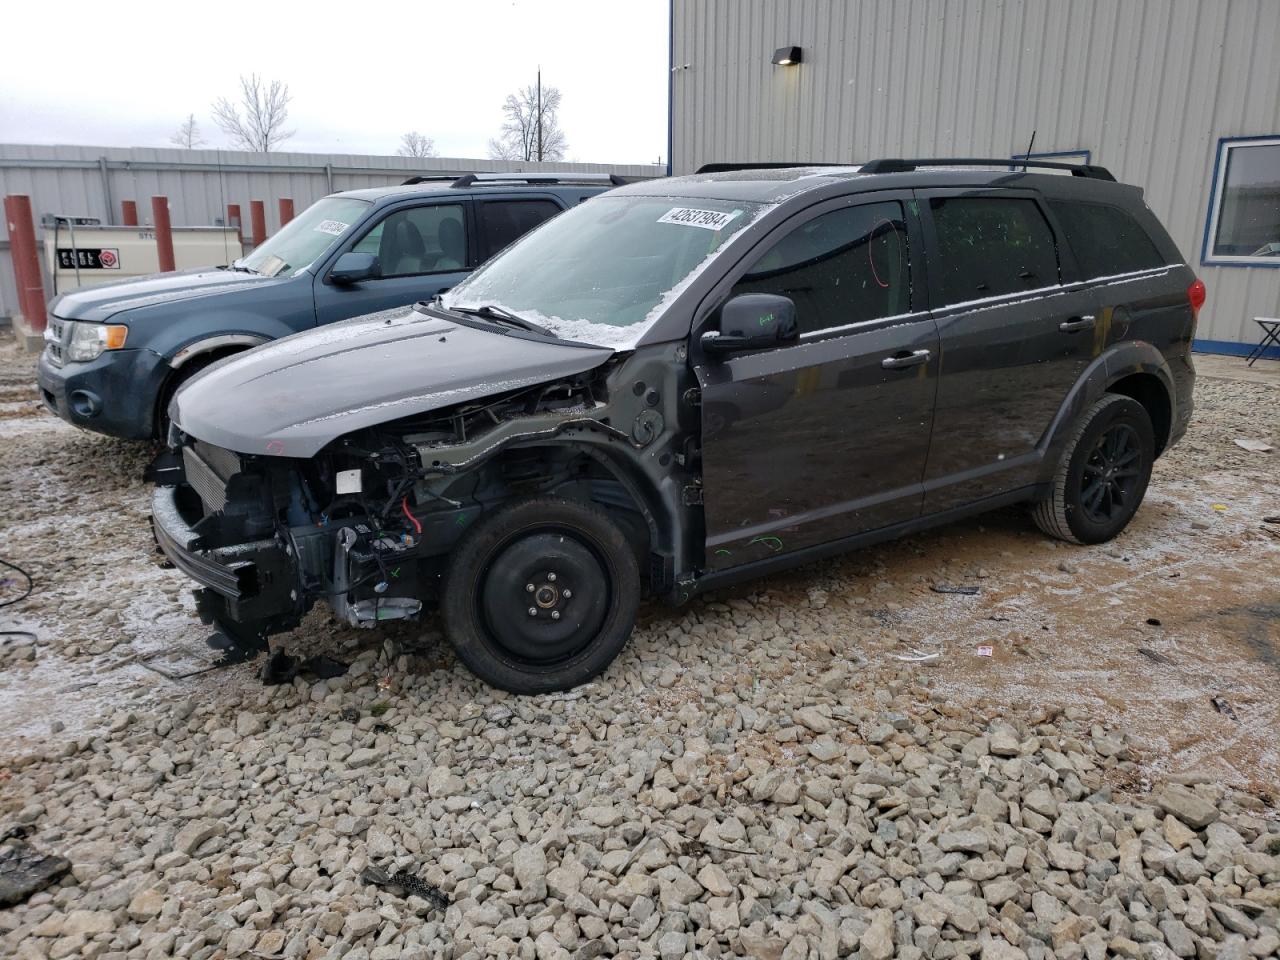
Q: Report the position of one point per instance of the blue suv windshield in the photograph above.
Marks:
(605, 270)
(301, 241)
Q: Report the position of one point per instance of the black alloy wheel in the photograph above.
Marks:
(1103, 473)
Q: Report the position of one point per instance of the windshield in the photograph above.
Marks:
(605, 270)
(301, 241)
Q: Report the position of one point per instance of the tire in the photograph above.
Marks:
(1103, 475)
(555, 546)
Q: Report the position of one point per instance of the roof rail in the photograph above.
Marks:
(729, 167)
(428, 178)
(905, 166)
(470, 179)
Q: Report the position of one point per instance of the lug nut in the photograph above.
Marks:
(528, 588)
(551, 577)
(566, 593)
(555, 614)
(533, 611)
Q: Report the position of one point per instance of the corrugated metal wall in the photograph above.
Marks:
(1148, 86)
(91, 181)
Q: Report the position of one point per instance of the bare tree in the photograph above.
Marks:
(531, 130)
(266, 110)
(188, 135)
(414, 144)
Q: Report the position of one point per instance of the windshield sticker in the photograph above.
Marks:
(332, 227)
(707, 219)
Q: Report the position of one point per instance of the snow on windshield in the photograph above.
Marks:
(605, 271)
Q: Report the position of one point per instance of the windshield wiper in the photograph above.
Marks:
(239, 266)
(492, 312)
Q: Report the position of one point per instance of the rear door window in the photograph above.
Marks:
(990, 246)
(502, 222)
(842, 267)
(1106, 240)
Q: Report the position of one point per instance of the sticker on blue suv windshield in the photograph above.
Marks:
(332, 227)
(691, 217)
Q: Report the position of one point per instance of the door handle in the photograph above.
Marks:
(900, 360)
(1083, 322)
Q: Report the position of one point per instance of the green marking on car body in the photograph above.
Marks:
(767, 318)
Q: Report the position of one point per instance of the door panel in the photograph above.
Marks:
(815, 442)
(1009, 355)
(423, 250)
(820, 439)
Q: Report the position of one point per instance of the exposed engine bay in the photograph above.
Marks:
(368, 523)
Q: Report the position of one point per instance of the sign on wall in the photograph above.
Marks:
(89, 258)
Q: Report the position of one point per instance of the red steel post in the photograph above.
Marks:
(258, 216)
(26, 261)
(164, 233)
(233, 219)
(286, 210)
(129, 213)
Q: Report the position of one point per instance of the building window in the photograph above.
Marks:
(1244, 208)
(1058, 156)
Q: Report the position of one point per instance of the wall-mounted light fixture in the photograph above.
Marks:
(786, 56)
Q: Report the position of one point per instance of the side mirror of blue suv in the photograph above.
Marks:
(355, 266)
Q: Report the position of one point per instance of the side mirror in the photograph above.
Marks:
(752, 321)
(352, 267)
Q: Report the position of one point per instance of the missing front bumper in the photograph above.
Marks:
(254, 584)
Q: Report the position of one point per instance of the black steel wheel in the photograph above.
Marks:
(1103, 475)
(541, 595)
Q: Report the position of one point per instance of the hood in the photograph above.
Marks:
(104, 302)
(291, 397)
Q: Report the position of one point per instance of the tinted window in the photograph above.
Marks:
(842, 267)
(988, 246)
(419, 240)
(503, 221)
(1105, 240)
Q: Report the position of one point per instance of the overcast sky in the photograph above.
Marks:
(128, 73)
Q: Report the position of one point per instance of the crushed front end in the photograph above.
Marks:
(366, 524)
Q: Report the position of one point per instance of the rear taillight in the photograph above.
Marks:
(1196, 294)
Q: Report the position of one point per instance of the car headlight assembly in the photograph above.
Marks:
(89, 340)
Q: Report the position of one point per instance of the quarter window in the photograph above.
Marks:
(1105, 239)
(430, 239)
(989, 246)
(842, 267)
(502, 222)
(1244, 216)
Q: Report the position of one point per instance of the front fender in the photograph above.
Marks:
(1111, 366)
(241, 341)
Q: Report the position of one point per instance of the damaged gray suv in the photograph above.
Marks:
(685, 383)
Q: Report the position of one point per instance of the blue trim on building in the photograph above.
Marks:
(1088, 155)
(1205, 259)
(1232, 349)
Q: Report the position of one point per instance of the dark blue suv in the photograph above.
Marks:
(116, 353)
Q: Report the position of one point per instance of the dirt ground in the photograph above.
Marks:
(1144, 633)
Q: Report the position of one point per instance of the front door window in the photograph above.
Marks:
(431, 239)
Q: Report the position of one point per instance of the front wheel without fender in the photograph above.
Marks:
(541, 595)
(1103, 475)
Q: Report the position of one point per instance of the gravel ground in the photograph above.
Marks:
(758, 774)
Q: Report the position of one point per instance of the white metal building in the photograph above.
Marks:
(1181, 97)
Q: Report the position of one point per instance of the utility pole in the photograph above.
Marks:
(539, 114)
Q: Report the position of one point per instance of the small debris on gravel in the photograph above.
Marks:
(24, 870)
